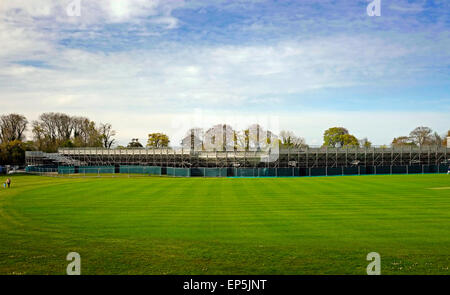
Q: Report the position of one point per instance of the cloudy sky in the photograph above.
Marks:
(150, 65)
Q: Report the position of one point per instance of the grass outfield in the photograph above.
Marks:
(157, 225)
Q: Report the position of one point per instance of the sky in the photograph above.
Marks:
(166, 66)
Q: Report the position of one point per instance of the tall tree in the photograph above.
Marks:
(78, 124)
(39, 135)
(44, 138)
(349, 140)
(290, 140)
(421, 135)
(336, 136)
(12, 127)
(435, 139)
(86, 133)
(93, 136)
(106, 134)
(53, 130)
(64, 126)
(45, 131)
(158, 140)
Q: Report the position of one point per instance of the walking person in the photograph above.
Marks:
(8, 182)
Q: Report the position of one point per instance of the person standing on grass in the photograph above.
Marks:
(8, 182)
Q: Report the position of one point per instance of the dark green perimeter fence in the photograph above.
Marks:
(235, 172)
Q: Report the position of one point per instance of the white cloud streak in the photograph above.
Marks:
(139, 90)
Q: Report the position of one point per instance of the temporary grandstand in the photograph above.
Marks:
(307, 161)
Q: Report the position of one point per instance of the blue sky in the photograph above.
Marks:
(147, 65)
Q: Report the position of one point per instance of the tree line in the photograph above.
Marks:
(50, 132)
(419, 137)
(224, 136)
(54, 130)
(255, 135)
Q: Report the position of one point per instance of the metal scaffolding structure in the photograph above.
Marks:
(315, 157)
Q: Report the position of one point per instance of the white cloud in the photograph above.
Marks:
(143, 90)
(210, 75)
(35, 8)
(407, 7)
(139, 90)
(93, 12)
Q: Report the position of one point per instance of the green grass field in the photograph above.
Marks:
(158, 225)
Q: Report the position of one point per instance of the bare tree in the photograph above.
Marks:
(421, 135)
(289, 139)
(46, 127)
(53, 130)
(12, 127)
(64, 126)
(85, 133)
(194, 137)
(107, 134)
(435, 139)
(77, 124)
